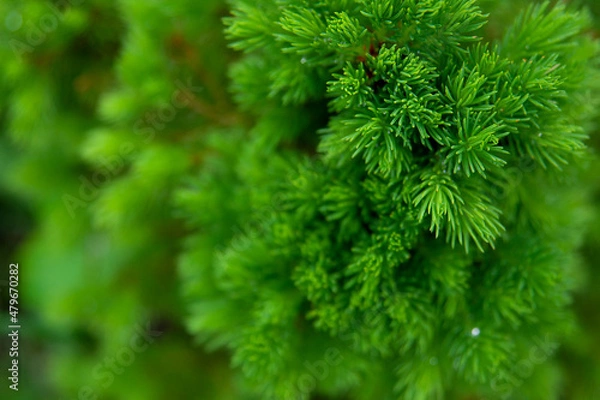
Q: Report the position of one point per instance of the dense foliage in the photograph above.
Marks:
(383, 199)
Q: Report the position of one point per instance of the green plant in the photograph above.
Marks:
(359, 199)
(430, 243)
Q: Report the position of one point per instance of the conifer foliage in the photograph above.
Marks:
(338, 199)
(422, 243)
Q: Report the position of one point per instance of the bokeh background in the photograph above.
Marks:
(103, 106)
